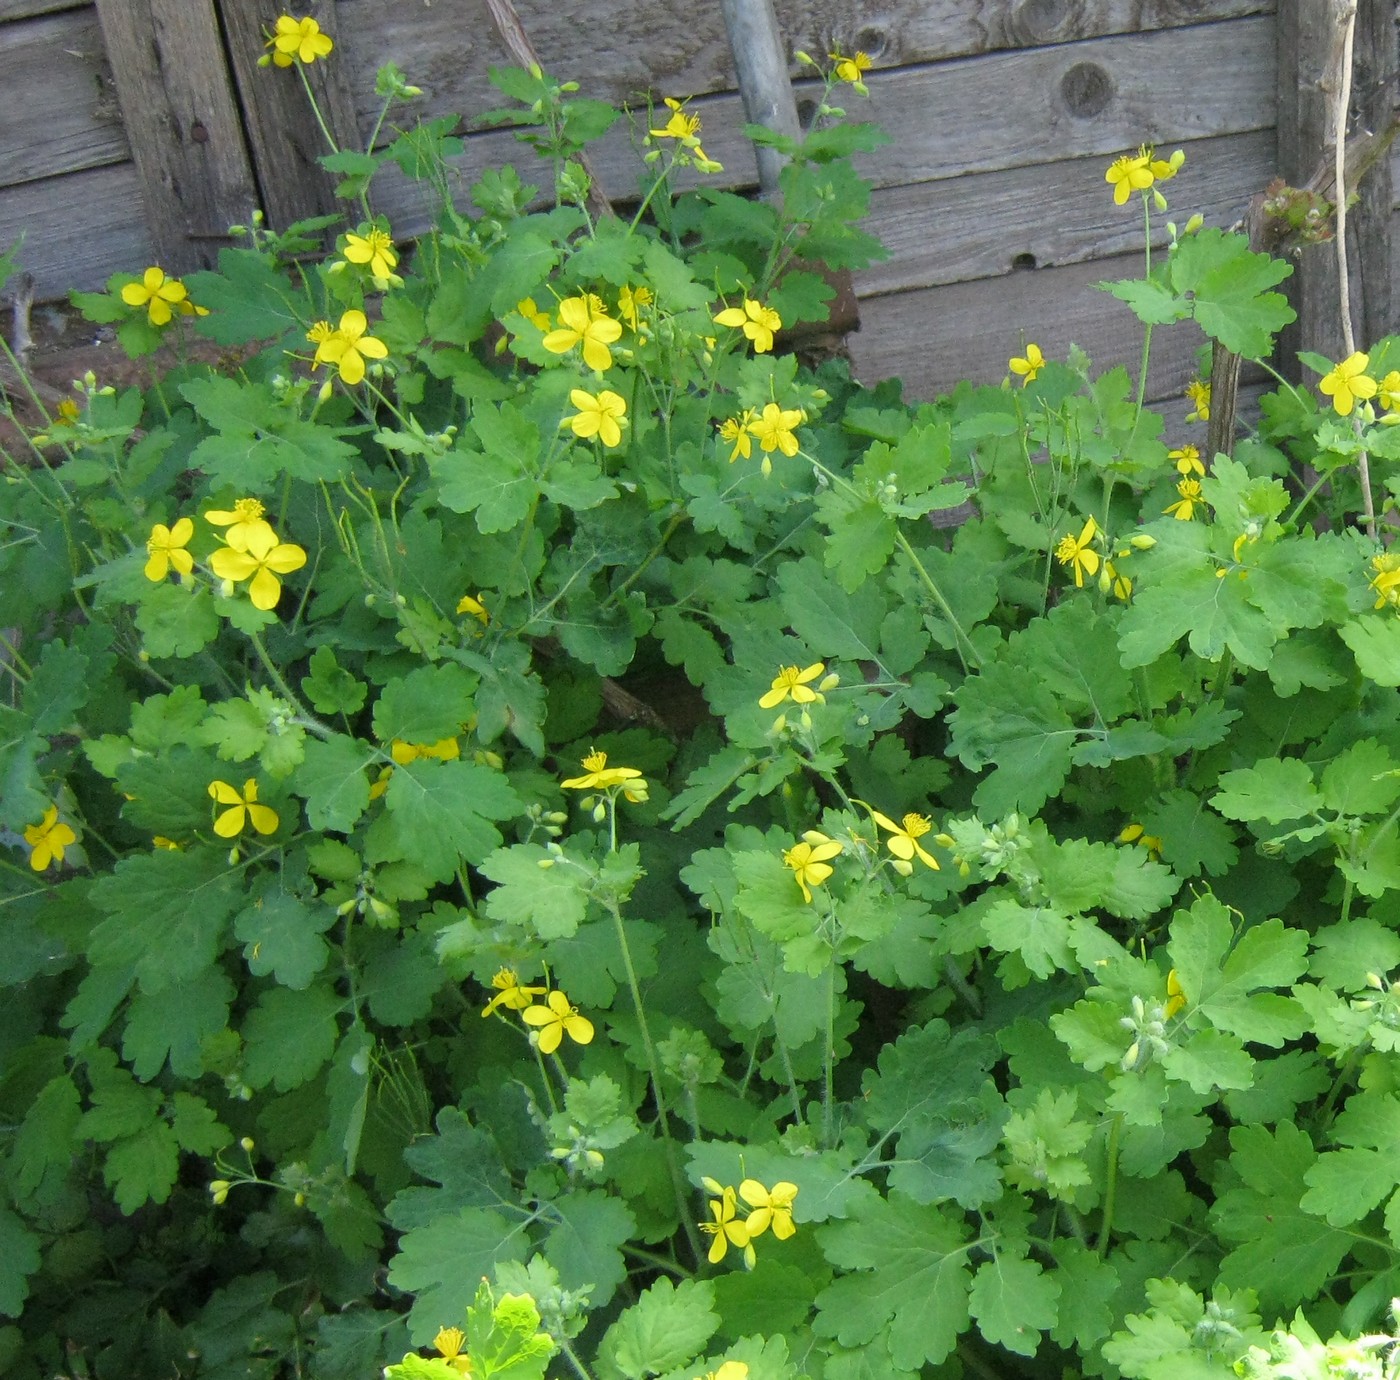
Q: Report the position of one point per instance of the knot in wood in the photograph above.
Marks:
(1086, 90)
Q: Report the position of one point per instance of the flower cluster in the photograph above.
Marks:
(773, 429)
(371, 248)
(346, 346)
(810, 860)
(758, 322)
(1141, 172)
(252, 551)
(1385, 579)
(1348, 384)
(904, 838)
(552, 1018)
(684, 129)
(598, 776)
(770, 1207)
(1081, 554)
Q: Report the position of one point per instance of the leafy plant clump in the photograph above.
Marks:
(529, 843)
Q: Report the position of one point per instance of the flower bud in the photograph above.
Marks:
(1142, 542)
(247, 1144)
(600, 812)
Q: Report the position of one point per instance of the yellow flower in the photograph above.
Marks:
(1176, 998)
(244, 521)
(298, 40)
(1188, 460)
(1128, 174)
(603, 415)
(774, 430)
(808, 860)
(1113, 579)
(584, 322)
(474, 606)
(48, 839)
(1387, 393)
(510, 994)
(630, 302)
(1184, 509)
(527, 308)
(724, 1227)
(347, 346)
(771, 1207)
(261, 561)
(166, 549)
(444, 750)
(758, 322)
(161, 296)
(1348, 383)
(598, 776)
(1386, 580)
(790, 683)
(1198, 393)
(1079, 554)
(555, 1019)
(448, 1344)
(728, 1370)
(680, 125)
(850, 68)
(1135, 833)
(243, 808)
(377, 250)
(1027, 365)
(904, 837)
(737, 430)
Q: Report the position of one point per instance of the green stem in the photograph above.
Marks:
(1110, 1192)
(677, 518)
(932, 586)
(571, 1356)
(829, 1054)
(316, 109)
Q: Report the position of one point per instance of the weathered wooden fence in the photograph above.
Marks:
(136, 131)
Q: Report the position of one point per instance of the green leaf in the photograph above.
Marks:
(665, 1329)
(142, 1168)
(585, 1244)
(1013, 1301)
(462, 1160)
(443, 811)
(19, 1258)
(47, 1138)
(862, 536)
(1210, 1062)
(912, 1286)
(174, 1023)
(248, 299)
(1087, 1285)
(549, 901)
(330, 688)
(333, 781)
(1228, 280)
(176, 620)
(1375, 642)
(1275, 789)
(1361, 780)
(1152, 302)
(505, 1339)
(289, 1036)
(425, 706)
(281, 935)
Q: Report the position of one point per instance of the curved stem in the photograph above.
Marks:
(1110, 1192)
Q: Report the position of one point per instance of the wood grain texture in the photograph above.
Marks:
(184, 125)
(283, 136)
(935, 336)
(27, 9)
(679, 48)
(58, 112)
(78, 229)
(986, 224)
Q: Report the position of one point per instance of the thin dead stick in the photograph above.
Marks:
(518, 44)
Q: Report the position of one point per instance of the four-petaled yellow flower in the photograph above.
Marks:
(161, 296)
(1387, 392)
(347, 346)
(583, 321)
(1386, 579)
(245, 521)
(771, 1207)
(448, 1343)
(555, 1019)
(1079, 553)
(849, 69)
(1348, 383)
(598, 776)
(260, 562)
(473, 605)
(774, 430)
(298, 40)
(1027, 365)
(1135, 833)
(444, 750)
(1188, 461)
(1128, 174)
(243, 808)
(1184, 509)
(790, 683)
(48, 839)
(630, 301)
(681, 125)
(1176, 998)
(904, 838)
(166, 550)
(758, 323)
(737, 430)
(724, 1227)
(1198, 394)
(510, 993)
(602, 415)
(809, 860)
(376, 249)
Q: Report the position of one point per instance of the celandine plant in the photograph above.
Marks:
(526, 848)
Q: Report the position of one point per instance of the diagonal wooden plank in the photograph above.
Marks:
(182, 120)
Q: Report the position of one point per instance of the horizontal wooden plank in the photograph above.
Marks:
(954, 118)
(985, 224)
(57, 108)
(27, 9)
(677, 48)
(78, 229)
(933, 337)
